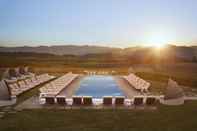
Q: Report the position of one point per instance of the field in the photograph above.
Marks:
(178, 118)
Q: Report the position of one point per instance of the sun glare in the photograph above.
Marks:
(159, 39)
(158, 44)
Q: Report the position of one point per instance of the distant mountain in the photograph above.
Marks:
(183, 52)
(61, 50)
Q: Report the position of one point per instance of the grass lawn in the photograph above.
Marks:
(165, 118)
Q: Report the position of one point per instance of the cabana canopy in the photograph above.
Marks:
(173, 90)
(4, 93)
(17, 70)
(6, 74)
(12, 72)
(22, 70)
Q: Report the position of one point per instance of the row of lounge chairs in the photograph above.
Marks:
(96, 73)
(99, 72)
(17, 87)
(56, 86)
(106, 101)
(137, 82)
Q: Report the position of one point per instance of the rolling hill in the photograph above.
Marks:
(182, 52)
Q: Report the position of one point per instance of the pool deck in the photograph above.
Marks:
(128, 90)
(71, 89)
(33, 102)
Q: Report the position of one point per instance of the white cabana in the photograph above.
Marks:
(174, 94)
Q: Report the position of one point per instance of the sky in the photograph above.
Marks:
(120, 23)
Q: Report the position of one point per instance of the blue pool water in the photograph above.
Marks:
(98, 86)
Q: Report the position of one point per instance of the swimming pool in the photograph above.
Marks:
(98, 86)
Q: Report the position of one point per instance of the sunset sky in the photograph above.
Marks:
(118, 23)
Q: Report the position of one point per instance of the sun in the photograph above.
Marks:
(158, 45)
(159, 39)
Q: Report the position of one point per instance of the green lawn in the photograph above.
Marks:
(165, 118)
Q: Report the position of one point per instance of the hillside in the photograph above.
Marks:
(61, 50)
(182, 52)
